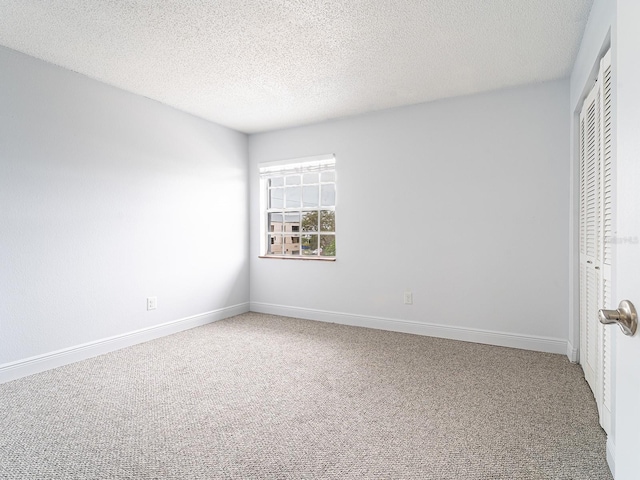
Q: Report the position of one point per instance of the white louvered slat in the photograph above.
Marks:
(598, 161)
(592, 333)
(596, 230)
(589, 207)
(592, 179)
(606, 346)
(607, 167)
(583, 188)
(605, 221)
(583, 310)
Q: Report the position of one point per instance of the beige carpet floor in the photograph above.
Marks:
(260, 396)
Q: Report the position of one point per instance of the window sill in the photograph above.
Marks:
(291, 257)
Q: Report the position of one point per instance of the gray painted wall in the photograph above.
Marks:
(107, 198)
(463, 201)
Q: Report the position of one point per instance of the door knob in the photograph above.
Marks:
(625, 316)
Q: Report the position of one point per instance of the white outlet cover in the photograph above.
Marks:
(152, 303)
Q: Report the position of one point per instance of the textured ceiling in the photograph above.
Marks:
(257, 65)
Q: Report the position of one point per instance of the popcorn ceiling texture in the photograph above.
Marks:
(257, 65)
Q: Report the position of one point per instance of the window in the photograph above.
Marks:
(299, 208)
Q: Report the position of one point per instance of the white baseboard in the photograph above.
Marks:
(572, 353)
(47, 361)
(502, 339)
(611, 455)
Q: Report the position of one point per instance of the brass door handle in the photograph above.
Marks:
(625, 316)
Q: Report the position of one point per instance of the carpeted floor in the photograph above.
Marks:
(260, 396)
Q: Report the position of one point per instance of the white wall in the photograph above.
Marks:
(107, 198)
(463, 201)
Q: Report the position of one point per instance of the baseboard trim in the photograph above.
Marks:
(572, 353)
(611, 455)
(40, 363)
(502, 339)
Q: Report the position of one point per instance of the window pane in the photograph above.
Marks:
(328, 176)
(310, 178)
(327, 221)
(293, 197)
(275, 222)
(275, 245)
(328, 245)
(292, 179)
(276, 198)
(309, 244)
(328, 198)
(310, 221)
(292, 222)
(310, 196)
(276, 181)
(291, 245)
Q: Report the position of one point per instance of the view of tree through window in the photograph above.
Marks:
(301, 212)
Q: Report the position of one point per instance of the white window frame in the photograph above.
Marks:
(268, 170)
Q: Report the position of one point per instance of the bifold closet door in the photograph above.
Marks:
(596, 230)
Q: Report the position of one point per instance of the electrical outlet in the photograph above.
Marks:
(408, 298)
(152, 303)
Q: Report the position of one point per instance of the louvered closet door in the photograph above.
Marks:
(589, 211)
(606, 235)
(595, 238)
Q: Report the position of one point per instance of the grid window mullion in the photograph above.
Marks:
(282, 199)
